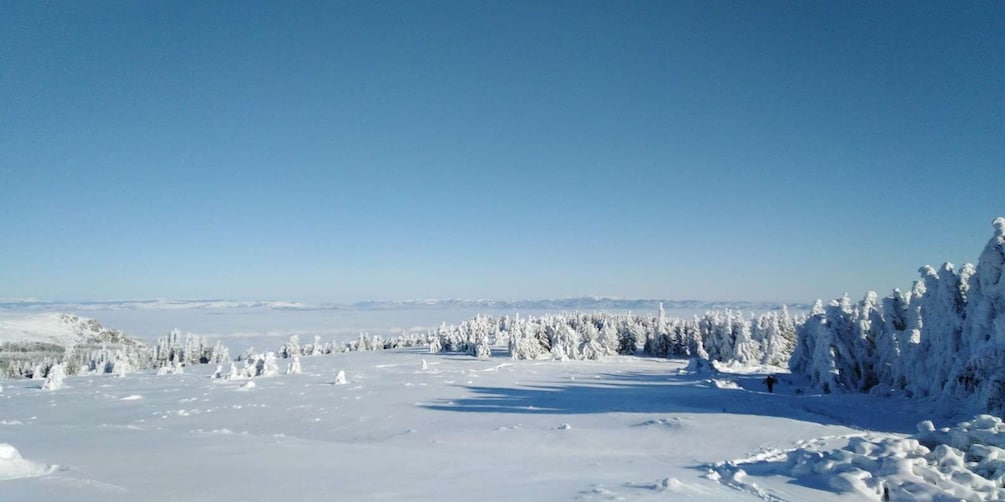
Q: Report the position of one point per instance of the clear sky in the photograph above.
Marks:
(338, 151)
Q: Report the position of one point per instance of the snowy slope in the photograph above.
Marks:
(55, 328)
(31, 342)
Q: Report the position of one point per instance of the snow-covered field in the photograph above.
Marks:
(406, 424)
(409, 425)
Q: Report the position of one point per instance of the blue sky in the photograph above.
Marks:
(337, 151)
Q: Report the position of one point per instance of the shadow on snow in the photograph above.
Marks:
(660, 393)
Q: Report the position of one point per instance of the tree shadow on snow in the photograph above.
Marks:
(660, 393)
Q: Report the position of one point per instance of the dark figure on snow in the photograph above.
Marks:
(770, 382)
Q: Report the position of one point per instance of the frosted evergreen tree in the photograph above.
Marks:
(718, 334)
(294, 367)
(869, 327)
(813, 356)
(266, 365)
(219, 354)
(54, 378)
(987, 315)
(121, 366)
(629, 337)
(745, 349)
(609, 339)
(482, 350)
(981, 378)
(657, 341)
(775, 346)
(968, 344)
(942, 311)
(913, 355)
(890, 365)
(692, 337)
(290, 348)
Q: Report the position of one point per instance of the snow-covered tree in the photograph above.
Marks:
(945, 339)
(294, 367)
(54, 378)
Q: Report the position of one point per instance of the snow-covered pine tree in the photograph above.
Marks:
(290, 348)
(294, 367)
(54, 377)
(745, 349)
(980, 380)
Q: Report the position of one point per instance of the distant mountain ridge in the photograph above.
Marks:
(580, 303)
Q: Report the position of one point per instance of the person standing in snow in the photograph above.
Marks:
(770, 382)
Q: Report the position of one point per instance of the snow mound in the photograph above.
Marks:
(966, 462)
(13, 466)
(722, 383)
(664, 422)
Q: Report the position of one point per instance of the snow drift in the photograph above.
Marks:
(13, 466)
(965, 462)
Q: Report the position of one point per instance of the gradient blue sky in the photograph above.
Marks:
(338, 151)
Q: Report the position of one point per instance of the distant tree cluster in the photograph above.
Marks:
(365, 342)
(178, 349)
(719, 336)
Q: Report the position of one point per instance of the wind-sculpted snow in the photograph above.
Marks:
(945, 340)
(13, 466)
(966, 462)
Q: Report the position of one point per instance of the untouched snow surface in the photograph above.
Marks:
(409, 425)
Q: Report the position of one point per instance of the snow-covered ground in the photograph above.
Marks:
(624, 428)
(405, 424)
